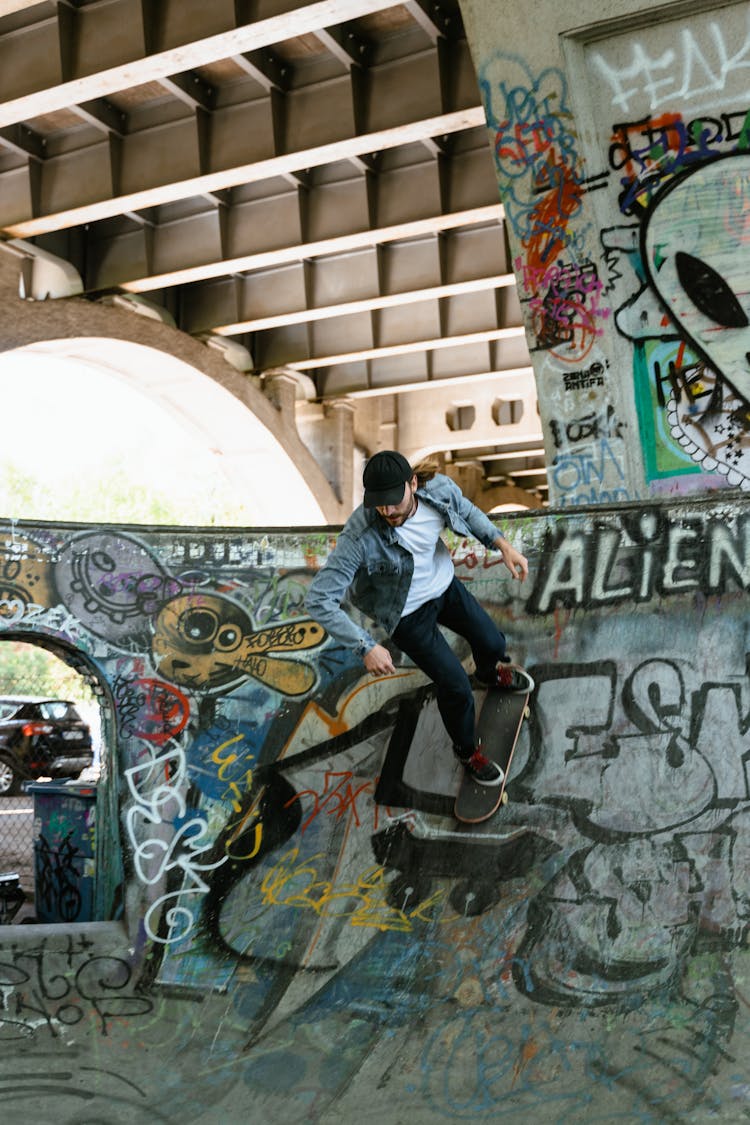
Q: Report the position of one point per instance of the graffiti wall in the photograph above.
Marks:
(623, 160)
(292, 924)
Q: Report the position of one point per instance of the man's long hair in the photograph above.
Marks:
(426, 470)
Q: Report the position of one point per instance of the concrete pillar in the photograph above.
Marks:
(281, 388)
(340, 441)
(621, 157)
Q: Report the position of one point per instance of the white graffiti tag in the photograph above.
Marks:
(686, 69)
(157, 787)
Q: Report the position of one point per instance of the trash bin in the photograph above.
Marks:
(64, 850)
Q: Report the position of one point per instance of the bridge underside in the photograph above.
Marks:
(303, 187)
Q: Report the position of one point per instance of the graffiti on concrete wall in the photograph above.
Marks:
(700, 63)
(566, 309)
(676, 151)
(534, 141)
(645, 311)
(93, 990)
(685, 317)
(661, 875)
(562, 288)
(290, 853)
(640, 556)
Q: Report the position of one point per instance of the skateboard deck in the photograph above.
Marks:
(498, 728)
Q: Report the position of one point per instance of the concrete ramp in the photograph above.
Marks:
(291, 925)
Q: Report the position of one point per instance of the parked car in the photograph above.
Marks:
(41, 738)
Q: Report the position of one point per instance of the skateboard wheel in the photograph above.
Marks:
(504, 798)
(527, 712)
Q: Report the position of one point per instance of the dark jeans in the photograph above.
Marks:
(419, 637)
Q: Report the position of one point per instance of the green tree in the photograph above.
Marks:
(114, 496)
(28, 669)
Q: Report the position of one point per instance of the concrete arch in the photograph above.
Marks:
(264, 454)
(105, 903)
(251, 457)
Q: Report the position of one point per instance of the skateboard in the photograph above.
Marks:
(498, 728)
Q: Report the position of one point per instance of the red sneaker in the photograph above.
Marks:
(481, 769)
(513, 679)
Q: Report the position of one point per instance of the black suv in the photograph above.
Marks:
(41, 738)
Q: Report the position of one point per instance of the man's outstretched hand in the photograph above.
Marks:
(517, 564)
(378, 661)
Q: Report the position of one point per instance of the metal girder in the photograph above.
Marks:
(417, 368)
(341, 244)
(191, 90)
(348, 308)
(265, 67)
(515, 454)
(22, 141)
(429, 17)
(83, 58)
(349, 48)
(284, 132)
(456, 315)
(103, 115)
(288, 226)
(405, 347)
(464, 383)
(8, 7)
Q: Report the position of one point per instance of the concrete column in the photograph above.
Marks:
(617, 133)
(280, 387)
(340, 432)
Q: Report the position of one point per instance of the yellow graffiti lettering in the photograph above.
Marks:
(258, 833)
(236, 798)
(241, 827)
(226, 761)
(363, 902)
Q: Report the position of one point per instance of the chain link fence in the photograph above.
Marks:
(28, 671)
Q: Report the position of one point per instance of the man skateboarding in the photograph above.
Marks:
(392, 564)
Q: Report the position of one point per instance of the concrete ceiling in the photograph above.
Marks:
(312, 181)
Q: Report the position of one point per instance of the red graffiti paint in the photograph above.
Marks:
(549, 219)
(163, 710)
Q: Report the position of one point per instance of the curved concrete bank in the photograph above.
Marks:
(292, 925)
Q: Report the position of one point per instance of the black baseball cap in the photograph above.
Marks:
(384, 478)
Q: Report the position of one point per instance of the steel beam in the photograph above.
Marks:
(129, 60)
(224, 264)
(337, 217)
(462, 382)
(348, 308)
(286, 132)
(406, 348)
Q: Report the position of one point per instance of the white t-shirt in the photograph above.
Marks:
(433, 566)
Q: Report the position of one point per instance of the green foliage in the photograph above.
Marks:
(114, 495)
(27, 669)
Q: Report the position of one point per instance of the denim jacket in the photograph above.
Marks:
(371, 567)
